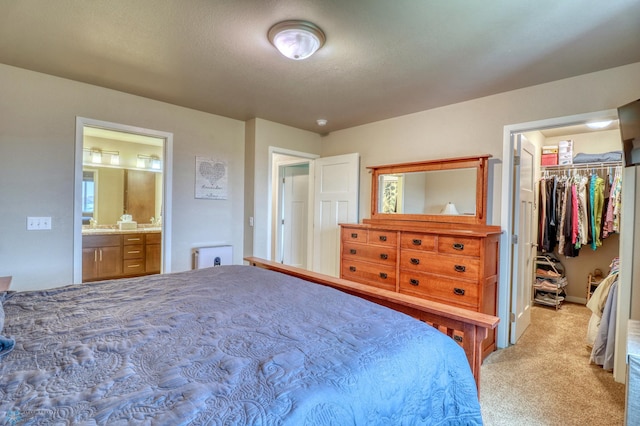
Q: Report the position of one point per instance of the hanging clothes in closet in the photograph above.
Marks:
(578, 207)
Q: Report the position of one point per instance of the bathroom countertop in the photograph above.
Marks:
(116, 231)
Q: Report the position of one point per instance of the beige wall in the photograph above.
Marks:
(37, 149)
(282, 139)
(477, 126)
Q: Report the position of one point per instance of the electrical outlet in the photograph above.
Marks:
(38, 223)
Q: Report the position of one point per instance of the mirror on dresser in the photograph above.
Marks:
(452, 190)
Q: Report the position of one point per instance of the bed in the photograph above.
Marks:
(231, 345)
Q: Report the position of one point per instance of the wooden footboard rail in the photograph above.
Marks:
(466, 327)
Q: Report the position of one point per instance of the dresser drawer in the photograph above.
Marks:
(459, 267)
(387, 238)
(129, 239)
(451, 292)
(370, 253)
(133, 266)
(133, 251)
(459, 245)
(354, 235)
(412, 241)
(381, 276)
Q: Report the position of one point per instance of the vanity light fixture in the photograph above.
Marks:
(149, 161)
(296, 39)
(96, 156)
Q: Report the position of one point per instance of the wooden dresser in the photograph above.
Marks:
(458, 267)
(412, 245)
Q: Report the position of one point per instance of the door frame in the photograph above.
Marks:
(507, 221)
(167, 178)
(273, 196)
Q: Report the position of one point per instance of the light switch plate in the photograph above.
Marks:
(38, 223)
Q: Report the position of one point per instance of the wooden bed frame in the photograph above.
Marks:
(466, 327)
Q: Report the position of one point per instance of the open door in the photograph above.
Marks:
(293, 215)
(524, 248)
(335, 201)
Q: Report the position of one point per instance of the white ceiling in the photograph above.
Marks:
(382, 58)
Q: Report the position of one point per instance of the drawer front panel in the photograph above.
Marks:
(133, 251)
(388, 238)
(354, 234)
(101, 240)
(153, 238)
(411, 241)
(133, 266)
(129, 239)
(457, 267)
(381, 276)
(370, 253)
(450, 292)
(459, 245)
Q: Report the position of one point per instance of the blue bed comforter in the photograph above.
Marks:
(232, 345)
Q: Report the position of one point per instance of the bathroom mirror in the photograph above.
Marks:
(110, 192)
(449, 190)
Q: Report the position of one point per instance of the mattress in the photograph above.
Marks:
(232, 345)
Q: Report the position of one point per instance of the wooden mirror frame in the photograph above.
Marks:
(478, 162)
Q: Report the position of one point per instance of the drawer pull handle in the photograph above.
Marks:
(352, 251)
(133, 239)
(354, 235)
(417, 242)
(383, 275)
(458, 246)
(460, 268)
(457, 339)
(415, 261)
(413, 281)
(133, 266)
(459, 291)
(383, 238)
(384, 256)
(352, 268)
(133, 251)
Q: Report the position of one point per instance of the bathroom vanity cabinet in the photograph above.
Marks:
(120, 254)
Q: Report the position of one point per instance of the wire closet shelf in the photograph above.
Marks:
(568, 168)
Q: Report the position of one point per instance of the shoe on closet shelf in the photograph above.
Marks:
(548, 273)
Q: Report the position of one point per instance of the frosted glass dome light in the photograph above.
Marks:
(296, 40)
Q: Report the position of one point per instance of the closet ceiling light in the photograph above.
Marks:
(296, 40)
(599, 124)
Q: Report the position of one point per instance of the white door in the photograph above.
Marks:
(524, 250)
(294, 214)
(335, 201)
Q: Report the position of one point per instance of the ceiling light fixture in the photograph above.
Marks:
(296, 39)
(321, 122)
(599, 124)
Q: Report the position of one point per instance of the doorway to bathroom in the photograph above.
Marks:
(122, 205)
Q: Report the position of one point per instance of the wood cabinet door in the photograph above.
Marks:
(89, 264)
(152, 261)
(109, 262)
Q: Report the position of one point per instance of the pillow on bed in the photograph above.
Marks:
(6, 344)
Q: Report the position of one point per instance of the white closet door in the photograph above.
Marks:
(523, 227)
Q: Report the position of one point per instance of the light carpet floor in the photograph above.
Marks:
(546, 378)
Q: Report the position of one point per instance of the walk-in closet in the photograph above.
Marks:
(578, 211)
